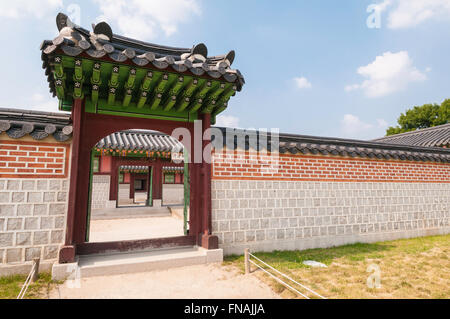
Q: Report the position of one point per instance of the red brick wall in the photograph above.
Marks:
(250, 166)
(23, 159)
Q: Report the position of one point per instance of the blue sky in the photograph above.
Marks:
(311, 67)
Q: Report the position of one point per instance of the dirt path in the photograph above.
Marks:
(135, 228)
(194, 282)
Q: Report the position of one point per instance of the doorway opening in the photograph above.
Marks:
(134, 187)
(139, 188)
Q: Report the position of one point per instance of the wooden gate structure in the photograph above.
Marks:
(111, 83)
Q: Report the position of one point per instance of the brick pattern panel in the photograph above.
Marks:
(32, 218)
(248, 166)
(21, 159)
(269, 215)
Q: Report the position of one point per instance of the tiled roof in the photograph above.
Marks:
(140, 141)
(313, 145)
(137, 168)
(39, 125)
(134, 168)
(173, 169)
(74, 40)
(437, 136)
(18, 123)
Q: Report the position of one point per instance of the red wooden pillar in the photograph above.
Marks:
(194, 190)
(208, 241)
(67, 252)
(132, 178)
(114, 180)
(157, 181)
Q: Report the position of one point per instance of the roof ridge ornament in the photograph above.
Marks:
(63, 21)
(200, 49)
(103, 29)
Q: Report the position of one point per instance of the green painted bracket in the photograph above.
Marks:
(131, 79)
(94, 94)
(96, 73)
(155, 101)
(114, 81)
(78, 88)
(170, 103)
(59, 69)
(209, 106)
(178, 86)
(127, 97)
(78, 70)
(202, 92)
(147, 81)
(162, 84)
(142, 99)
(196, 105)
(218, 91)
(112, 95)
(184, 104)
(60, 87)
(191, 87)
(145, 88)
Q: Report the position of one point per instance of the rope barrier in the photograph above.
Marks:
(284, 275)
(31, 277)
(279, 280)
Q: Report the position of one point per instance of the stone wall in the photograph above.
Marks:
(288, 202)
(32, 218)
(34, 183)
(124, 195)
(173, 194)
(286, 215)
(100, 192)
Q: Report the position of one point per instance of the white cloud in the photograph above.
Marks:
(302, 83)
(145, 19)
(410, 13)
(353, 127)
(389, 73)
(42, 102)
(227, 121)
(29, 8)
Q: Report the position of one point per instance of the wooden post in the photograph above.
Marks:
(247, 261)
(36, 262)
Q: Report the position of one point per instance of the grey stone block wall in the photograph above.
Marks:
(289, 215)
(173, 194)
(100, 192)
(32, 218)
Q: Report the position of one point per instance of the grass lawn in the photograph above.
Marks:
(10, 287)
(409, 268)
